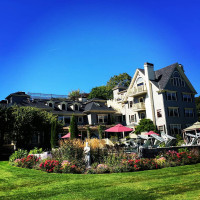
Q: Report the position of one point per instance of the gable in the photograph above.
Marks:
(178, 80)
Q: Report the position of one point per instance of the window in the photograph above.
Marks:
(175, 129)
(80, 119)
(161, 129)
(142, 115)
(102, 118)
(140, 81)
(63, 107)
(133, 118)
(188, 112)
(141, 99)
(131, 104)
(50, 105)
(171, 96)
(176, 80)
(75, 107)
(187, 97)
(159, 113)
(67, 120)
(173, 112)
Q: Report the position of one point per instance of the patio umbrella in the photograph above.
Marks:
(150, 133)
(119, 128)
(67, 136)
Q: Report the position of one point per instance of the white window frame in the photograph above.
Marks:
(172, 128)
(174, 110)
(190, 114)
(170, 94)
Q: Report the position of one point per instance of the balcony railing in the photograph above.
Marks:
(139, 106)
(139, 90)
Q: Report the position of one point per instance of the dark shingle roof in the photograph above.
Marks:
(93, 106)
(163, 75)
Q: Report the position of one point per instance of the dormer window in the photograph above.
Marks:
(76, 107)
(140, 81)
(63, 107)
(50, 105)
(177, 80)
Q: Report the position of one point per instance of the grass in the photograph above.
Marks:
(169, 183)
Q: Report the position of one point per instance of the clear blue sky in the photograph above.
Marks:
(56, 46)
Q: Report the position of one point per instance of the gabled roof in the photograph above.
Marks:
(163, 75)
(93, 106)
(17, 94)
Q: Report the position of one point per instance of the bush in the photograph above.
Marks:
(49, 165)
(27, 162)
(102, 168)
(18, 155)
(36, 151)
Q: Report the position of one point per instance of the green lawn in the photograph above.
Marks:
(169, 183)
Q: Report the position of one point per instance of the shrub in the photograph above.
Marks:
(102, 168)
(27, 162)
(49, 165)
(18, 154)
(161, 161)
(36, 151)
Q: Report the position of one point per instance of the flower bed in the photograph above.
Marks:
(111, 162)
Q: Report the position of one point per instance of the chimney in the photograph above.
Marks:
(181, 66)
(149, 71)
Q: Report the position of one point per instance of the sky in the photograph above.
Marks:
(56, 46)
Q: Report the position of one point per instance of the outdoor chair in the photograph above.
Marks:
(157, 140)
(147, 141)
(193, 139)
(168, 139)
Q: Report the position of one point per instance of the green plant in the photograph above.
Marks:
(36, 150)
(145, 125)
(28, 162)
(73, 128)
(20, 153)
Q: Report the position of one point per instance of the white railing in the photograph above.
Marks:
(139, 89)
(139, 106)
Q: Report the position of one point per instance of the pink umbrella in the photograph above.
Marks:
(119, 128)
(150, 133)
(67, 136)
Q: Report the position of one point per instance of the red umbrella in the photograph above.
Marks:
(119, 128)
(150, 133)
(67, 136)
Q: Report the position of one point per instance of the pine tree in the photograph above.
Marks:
(53, 134)
(73, 128)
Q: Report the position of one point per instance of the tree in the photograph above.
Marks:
(124, 79)
(74, 94)
(100, 130)
(101, 92)
(53, 134)
(73, 128)
(145, 125)
(105, 91)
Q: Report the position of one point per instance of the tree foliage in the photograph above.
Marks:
(123, 79)
(74, 94)
(101, 92)
(23, 122)
(105, 91)
(73, 128)
(145, 125)
(54, 135)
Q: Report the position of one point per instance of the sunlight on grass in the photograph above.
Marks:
(169, 183)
